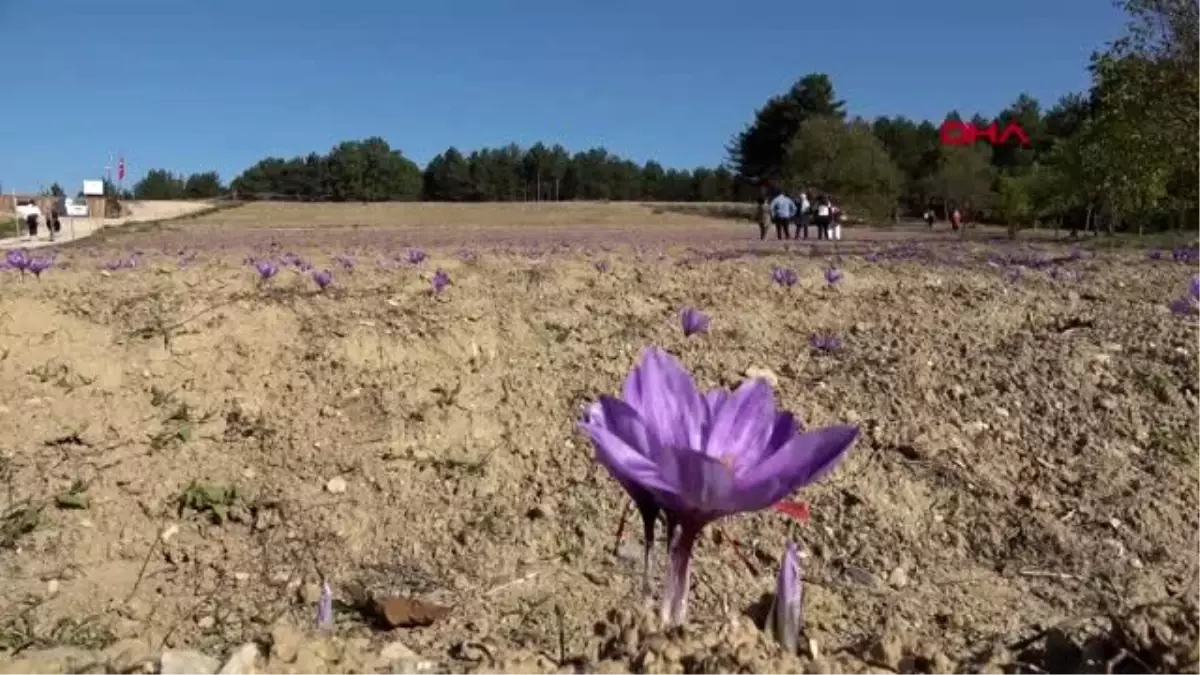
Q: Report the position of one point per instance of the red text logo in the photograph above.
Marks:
(955, 132)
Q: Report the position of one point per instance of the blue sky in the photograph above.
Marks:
(193, 85)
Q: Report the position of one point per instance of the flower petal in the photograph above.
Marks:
(621, 439)
(706, 487)
(804, 460)
(714, 399)
(666, 398)
(742, 425)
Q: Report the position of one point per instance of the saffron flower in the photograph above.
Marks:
(784, 617)
(694, 321)
(701, 456)
(416, 256)
(601, 266)
(440, 281)
(833, 276)
(38, 265)
(322, 279)
(325, 608)
(825, 342)
(17, 259)
(784, 277)
(266, 269)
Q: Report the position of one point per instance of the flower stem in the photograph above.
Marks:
(675, 598)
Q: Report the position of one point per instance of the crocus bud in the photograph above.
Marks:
(325, 608)
(783, 621)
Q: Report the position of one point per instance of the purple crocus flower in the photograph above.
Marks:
(825, 342)
(783, 619)
(266, 269)
(703, 456)
(785, 277)
(694, 321)
(1154, 254)
(322, 279)
(440, 281)
(1194, 288)
(17, 259)
(325, 608)
(416, 256)
(601, 266)
(39, 265)
(833, 276)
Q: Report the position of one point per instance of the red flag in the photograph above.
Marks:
(121, 169)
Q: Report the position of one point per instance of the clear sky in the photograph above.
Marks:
(194, 85)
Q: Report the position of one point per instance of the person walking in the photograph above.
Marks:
(823, 217)
(763, 216)
(803, 215)
(783, 211)
(30, 214)
(929, 218)
(53, 223)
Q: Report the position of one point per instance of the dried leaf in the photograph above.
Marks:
(409, 613)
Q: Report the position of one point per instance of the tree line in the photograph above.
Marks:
(1123, 153)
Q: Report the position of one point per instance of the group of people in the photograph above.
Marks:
(783, 211)
(955, 218)
(30, 215)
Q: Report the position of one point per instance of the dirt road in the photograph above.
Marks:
(79, 228)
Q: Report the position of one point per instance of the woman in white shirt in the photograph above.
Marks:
(30, 214)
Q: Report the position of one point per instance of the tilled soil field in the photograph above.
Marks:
(190, 451)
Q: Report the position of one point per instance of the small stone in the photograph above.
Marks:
(205, 622)
(975, 428)
(942, 663)
(309, 593)
(336, 485)
(860, 576)
(52, 587)
(285, 643)
(814, 649)
(242, 661)
(169, 532)
(396, 653)
(186, 662)
(136, 610)
(898, 578)
(241, 577)
(672, 653)
(128, 655)
(756, 372)
(887, 651)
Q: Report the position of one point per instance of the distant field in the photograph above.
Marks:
(444, 224)
(432, 214)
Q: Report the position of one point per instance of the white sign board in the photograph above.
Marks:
(93, 188)
(76, 208)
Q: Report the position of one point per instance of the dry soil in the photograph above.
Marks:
(190, 451)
